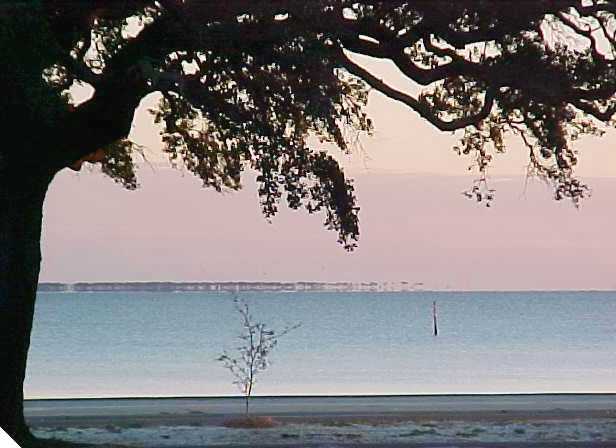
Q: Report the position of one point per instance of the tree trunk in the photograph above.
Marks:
(21, 209)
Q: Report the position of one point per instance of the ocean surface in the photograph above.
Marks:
(129, 344)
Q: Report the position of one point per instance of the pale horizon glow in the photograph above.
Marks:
(415, 224)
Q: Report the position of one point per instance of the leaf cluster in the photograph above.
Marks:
(262, 86)
(258, 109)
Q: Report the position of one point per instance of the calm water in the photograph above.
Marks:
(144, 344)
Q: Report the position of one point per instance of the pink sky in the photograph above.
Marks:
(417, 228)
(415, 224)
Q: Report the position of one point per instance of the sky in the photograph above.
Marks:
(416, 225)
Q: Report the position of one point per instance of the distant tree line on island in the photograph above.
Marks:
(230, 286)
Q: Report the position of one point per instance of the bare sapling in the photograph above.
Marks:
(251, 357)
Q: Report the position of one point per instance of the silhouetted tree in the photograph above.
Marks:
(251, 357)
(244, 83)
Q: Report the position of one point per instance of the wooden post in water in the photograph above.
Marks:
(434, 318)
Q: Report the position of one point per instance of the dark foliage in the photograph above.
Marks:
(252, 84)
(261, 85)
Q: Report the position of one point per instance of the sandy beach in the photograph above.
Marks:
(443, 421)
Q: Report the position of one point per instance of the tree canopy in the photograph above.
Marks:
(246, 84)
(251, 84)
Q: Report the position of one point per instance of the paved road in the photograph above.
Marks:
(363, 405)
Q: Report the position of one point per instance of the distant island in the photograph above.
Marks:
(231, 286)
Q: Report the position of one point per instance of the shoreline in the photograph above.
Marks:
(210, 411)
(217, 397)
(331, 403)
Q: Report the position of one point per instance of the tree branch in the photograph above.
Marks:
(591, 109)
(413, 103)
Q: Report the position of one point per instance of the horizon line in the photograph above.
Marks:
(337, 282)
